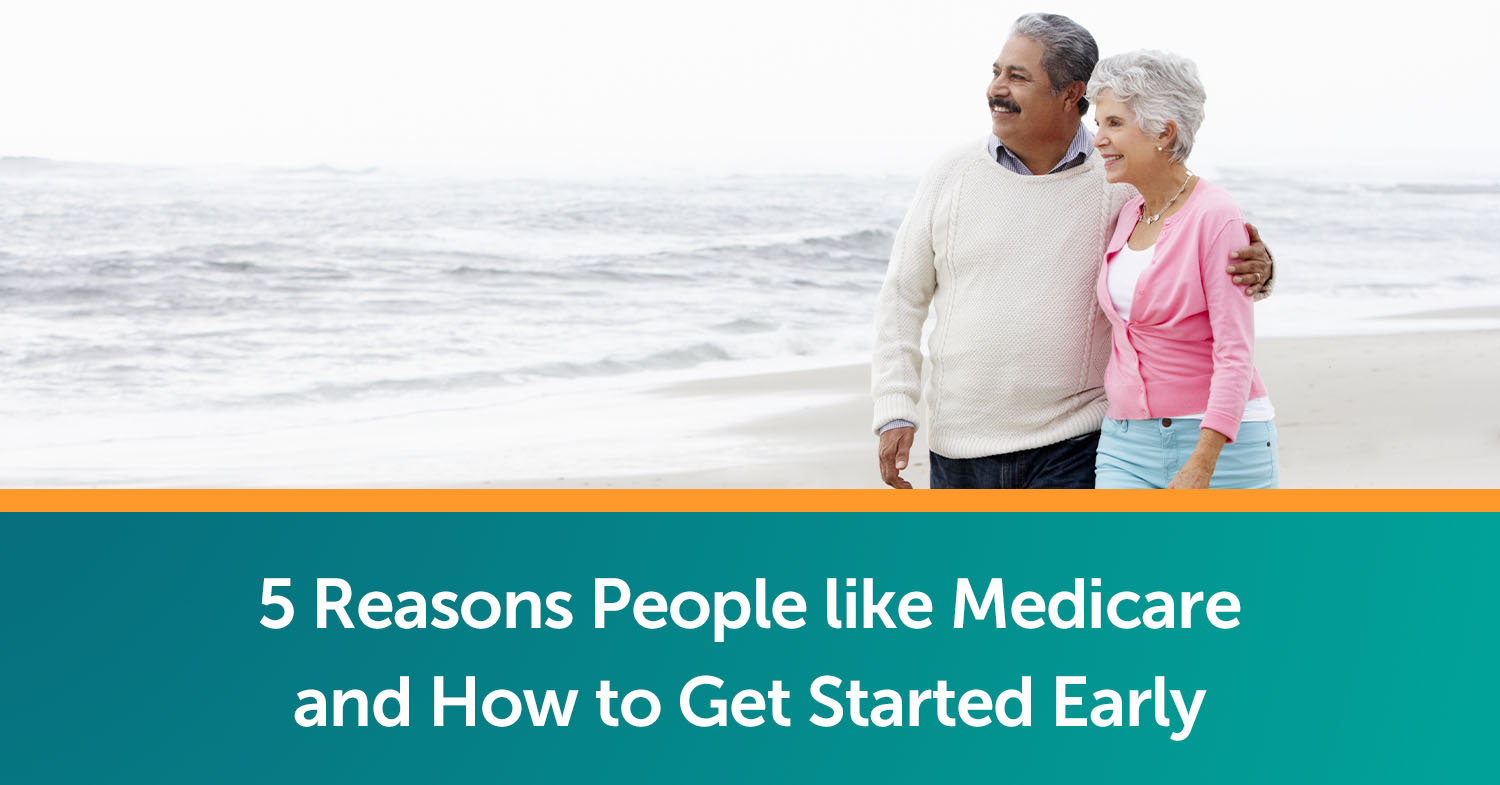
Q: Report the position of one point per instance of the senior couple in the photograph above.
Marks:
(1076, 277)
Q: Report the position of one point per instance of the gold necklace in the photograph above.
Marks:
(1153, 219)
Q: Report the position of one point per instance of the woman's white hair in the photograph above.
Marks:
(1157, 87)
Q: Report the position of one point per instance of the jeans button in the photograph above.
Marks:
(1166, 422)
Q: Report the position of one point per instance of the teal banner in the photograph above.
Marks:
(749, 647)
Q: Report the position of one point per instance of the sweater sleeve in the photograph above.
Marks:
(1231, 316)
(901, 308)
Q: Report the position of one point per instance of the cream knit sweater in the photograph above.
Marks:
(1008, 263)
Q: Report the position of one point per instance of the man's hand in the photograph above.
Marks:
(1255, 271)
(895, 448)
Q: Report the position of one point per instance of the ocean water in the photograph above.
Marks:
(145, 302)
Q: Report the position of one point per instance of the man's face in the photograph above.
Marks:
(1022, 106)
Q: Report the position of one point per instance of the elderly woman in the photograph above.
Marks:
(1186, 406)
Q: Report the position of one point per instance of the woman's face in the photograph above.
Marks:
(1129, 154)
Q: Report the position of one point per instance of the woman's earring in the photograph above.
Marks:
(1160, 149)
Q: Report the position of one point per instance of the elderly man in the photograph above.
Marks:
(1004, 240)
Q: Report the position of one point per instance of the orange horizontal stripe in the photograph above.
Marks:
(345, 500)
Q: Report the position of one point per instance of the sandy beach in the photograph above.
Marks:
(1403, 410)
(1412, 410)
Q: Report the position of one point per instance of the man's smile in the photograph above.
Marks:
(1001, 106)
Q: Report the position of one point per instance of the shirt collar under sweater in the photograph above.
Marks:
(1078, 152)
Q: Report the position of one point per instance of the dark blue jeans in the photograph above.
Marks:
(1066, 464)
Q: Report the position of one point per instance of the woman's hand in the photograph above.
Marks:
(1193, 475)
(1199, 468)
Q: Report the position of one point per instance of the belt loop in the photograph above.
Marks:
(1124, 426)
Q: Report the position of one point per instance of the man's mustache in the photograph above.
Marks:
(1000, 103)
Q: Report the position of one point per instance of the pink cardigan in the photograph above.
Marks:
(1190, 342)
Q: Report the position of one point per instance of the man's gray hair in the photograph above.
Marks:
(1068, 50)
(1157, 87)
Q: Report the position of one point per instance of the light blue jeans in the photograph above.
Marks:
(1149, 453)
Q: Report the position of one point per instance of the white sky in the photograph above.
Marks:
(643, 86)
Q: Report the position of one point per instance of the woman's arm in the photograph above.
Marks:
(1231, 316)
(1200, 466)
